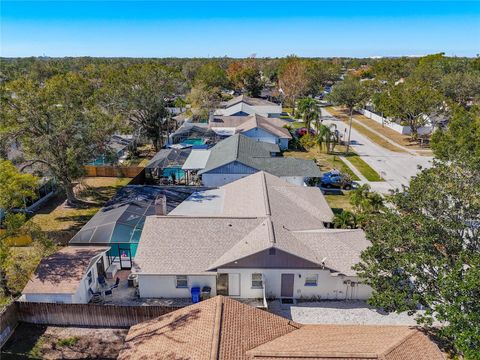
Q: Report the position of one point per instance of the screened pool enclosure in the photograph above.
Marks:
(119, 224)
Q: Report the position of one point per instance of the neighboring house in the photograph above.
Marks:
(120, 222)
(258, 237)
(239, 156)
(243, 106)
(257, 127)
(166, 166)
(67, 276)
(225, 329)
(117, 150)
(195, 135)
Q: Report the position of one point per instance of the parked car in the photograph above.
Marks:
(336, 180)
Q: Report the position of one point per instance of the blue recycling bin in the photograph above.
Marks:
(195, 294)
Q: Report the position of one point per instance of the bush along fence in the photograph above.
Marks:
(90, 315)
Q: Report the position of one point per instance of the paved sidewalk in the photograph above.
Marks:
(396, 168)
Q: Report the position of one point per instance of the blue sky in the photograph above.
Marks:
(239, 29)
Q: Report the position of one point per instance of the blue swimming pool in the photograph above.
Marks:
(178, 173)
(194, 141)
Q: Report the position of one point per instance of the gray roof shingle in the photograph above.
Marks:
(249, 215)
(257, 155)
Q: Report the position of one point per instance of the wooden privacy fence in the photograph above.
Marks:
(88, 314)
(8, 322)
(112, 171)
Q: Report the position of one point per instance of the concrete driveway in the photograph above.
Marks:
(397, 168)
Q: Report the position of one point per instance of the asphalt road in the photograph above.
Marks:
(397, 168)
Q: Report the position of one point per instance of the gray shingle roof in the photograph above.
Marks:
(238, 148)
(271, 125)
(257, 155)
(245, 123)
(250, 101)
(252, 214)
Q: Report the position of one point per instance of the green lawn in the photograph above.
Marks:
(297, 124)
(340, 202)
(325, 161)
(364, 168)
(61, 222)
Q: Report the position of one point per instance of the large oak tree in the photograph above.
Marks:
(58, 124)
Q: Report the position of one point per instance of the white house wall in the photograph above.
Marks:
(157, 286)
(328, 286)
(83, 296)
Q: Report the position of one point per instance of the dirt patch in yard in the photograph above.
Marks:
(51, 342)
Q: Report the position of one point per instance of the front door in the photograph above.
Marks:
(234, 284)
(287, 285)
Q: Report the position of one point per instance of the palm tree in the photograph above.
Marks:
(308, 107)
(344, 220)
(324, 136)
(366, 201)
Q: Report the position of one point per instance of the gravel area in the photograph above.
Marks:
(338, 312)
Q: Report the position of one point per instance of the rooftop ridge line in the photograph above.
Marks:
(217, 326)
(266, 198)
(395, 345)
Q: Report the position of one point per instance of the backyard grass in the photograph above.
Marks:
(363, 167)
(61, 222)
(325, 161)
(342, 115)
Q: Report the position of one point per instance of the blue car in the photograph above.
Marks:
(336, 180)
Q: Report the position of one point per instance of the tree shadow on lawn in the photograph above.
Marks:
(23, 343)
(99, 195)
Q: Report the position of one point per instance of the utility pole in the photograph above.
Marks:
(349, 131)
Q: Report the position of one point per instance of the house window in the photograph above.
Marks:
(257, 282)
(181, 281)
(311, 280)
(89, 278)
